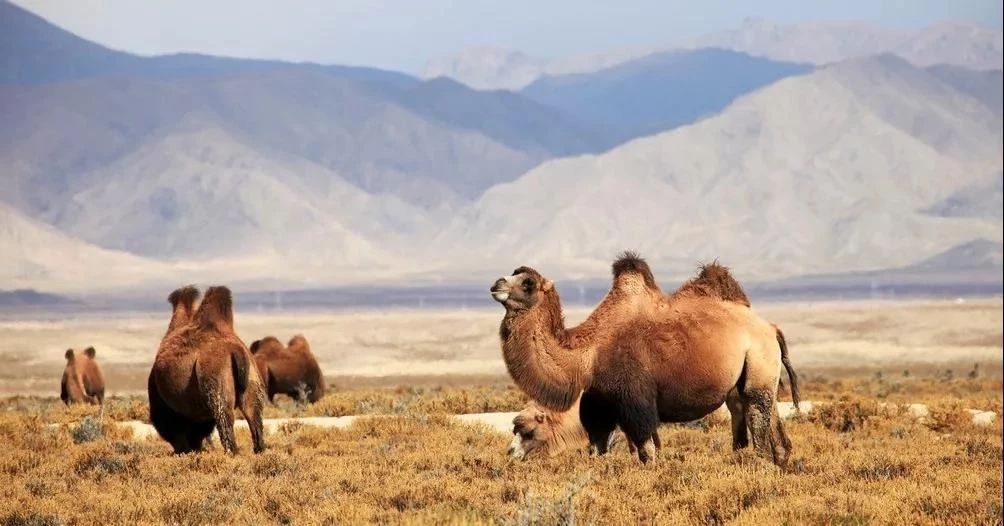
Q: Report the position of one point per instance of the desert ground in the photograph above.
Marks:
(859, 459)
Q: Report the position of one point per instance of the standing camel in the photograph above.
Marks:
(672, 359)
(202, 372)
(538, 431)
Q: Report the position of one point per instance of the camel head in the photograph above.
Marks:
(522, 290)
(532, 431)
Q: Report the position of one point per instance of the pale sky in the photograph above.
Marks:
(403, 34)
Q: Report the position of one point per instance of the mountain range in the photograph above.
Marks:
(962, 44)
(122, 171)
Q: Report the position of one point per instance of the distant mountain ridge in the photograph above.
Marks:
(659, 92)
(961, 44)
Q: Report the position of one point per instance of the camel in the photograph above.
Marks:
(82, 380)
(202, 372)
(290, 370)
(538, 431)
(657, 359)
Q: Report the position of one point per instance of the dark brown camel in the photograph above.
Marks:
(661, 359)
(202, 372)
(290, 370)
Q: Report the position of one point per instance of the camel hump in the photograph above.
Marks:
(717, 278)
(631, 262)
(216, 310)
(298, 341)
(185, 296)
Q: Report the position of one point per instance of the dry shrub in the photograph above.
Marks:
(950, 417)
(845, 415)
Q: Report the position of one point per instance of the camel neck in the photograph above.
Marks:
(540, 359)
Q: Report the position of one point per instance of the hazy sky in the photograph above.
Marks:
(403, 34)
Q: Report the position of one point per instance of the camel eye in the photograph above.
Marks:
(529, 284)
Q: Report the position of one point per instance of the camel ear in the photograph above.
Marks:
(90, 352)
(539, 417)
(547, 285)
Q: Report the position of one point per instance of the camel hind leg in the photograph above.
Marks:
(251, 404)
(740, 434)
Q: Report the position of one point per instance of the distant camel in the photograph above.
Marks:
(539, 431)
(663, 359)
(201, 373)
(290, 370)
(82, 380)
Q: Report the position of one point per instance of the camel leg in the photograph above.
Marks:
(740, 435)
(197, 434)
(760, 419)
(171, 426)
(781, 441)
(251, 407)
(599, 421)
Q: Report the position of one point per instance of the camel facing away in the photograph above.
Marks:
(82, 380)
(659, 359)
(202, 372)
(291, 370)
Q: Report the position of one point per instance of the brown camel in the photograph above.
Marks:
(202, 372)
(538, 431)
(82, 380)
(664, 359)
(290, 370)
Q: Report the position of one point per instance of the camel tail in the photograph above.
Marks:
(216, 310)
(241, 369)
(632, 262)
(792, 377)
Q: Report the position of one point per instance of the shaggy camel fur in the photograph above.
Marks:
(662, 359)
(202, 372)
(82, 380)
(290, 370)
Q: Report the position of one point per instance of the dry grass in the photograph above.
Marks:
(855, 462)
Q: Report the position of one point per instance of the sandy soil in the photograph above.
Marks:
(444, 346)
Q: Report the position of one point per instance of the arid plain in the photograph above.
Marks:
(855, 461)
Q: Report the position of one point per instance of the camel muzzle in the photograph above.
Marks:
(500, 290)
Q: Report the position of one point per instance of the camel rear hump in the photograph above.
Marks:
(216, 310)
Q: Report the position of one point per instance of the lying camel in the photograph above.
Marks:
(202, 372)
(662, 359)
(290, 370)
(82, 380)
(538, 431)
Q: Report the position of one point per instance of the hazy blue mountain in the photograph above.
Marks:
(659, 92)
(986, 86)
(34, 51)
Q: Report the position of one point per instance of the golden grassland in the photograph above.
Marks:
(855, 462)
